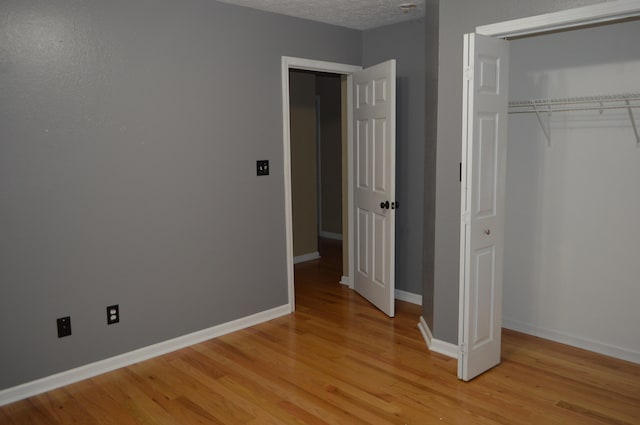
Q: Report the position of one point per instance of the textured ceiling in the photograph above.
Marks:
(356, 14)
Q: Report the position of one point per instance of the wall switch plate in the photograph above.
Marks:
(113, 314)
(263, 167)
(64, 326)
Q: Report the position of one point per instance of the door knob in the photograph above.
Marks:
(487, 232)
(384, 205)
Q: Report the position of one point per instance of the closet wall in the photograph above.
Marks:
(572, 240)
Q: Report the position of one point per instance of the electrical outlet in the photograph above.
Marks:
(113, 314)
(64, 326)
(263, 168)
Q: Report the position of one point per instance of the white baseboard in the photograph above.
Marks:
(436, 345)
(306, 257)
(399, 294)
(329, 235)
(575, 341)
(48, 383)
(408, 297)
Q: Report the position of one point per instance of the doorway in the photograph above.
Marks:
(483, 312)
(318, 160)
(290, 63)
(371, 103)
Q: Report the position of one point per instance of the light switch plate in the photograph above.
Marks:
(64, 326)
(263, 168)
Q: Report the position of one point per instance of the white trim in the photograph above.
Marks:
(445, 348)
(288, 215)
(306, 257)
(408, 297)
(321, 66)
(90, 370)
(350, 182)
(573, 340)
(436, 345)
(580, 16)
(331, 235)
(289, 62)
(464, 216)
(425, 331)
(345, 281)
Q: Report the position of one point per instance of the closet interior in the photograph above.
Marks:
(572, 211)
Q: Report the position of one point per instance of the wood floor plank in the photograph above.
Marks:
(338, 360)
(62, 408)
(272, 380)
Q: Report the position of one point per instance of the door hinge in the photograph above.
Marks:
(468, 73)
(463, 349)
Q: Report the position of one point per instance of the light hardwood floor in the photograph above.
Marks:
(338, 360)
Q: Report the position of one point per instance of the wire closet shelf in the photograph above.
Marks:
(628, 101)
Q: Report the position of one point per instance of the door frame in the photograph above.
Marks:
(289, 63)
(566, 19)
(601, 13)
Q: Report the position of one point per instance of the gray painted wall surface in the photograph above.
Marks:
(431, 138)
(329, 91)
(130, 131)
(457, 17)
(405, 43)
(304, 161)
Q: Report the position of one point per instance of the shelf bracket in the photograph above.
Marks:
(633, 122)
(545, 130)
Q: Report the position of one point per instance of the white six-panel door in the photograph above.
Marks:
(374, 97)
(482, 203)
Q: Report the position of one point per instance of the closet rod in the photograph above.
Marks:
(577, 100)
(598, 103)
(594, 108)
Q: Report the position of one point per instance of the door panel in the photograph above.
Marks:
(374, 119)
(481, 292)
(380, 153)
(482, 204)
(362, 243)
(362, 154)
(380, 249)
(485, 183)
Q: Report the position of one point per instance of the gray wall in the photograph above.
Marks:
(329, 91)
(432, 19)
(405, 43)
(130, 131)
(457, 17)
(304, 162)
